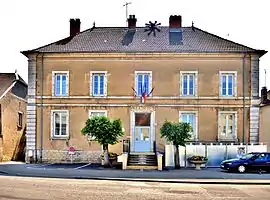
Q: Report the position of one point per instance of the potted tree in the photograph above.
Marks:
(197, 161)
(105, 132)
(176, 133)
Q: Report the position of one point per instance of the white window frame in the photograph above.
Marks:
(105, 83)
(53, 83)
(195, 132)
(234, 135)
(136, 80)
(234, 73)
(53, 125)
(182, 73)
(97, 111)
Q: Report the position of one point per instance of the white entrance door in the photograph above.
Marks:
(142, 132)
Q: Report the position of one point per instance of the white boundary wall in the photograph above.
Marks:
(215, 153)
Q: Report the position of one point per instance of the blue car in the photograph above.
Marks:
(249, 162)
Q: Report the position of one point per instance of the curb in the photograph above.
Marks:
(183, 181)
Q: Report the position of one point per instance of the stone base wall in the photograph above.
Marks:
(56, 156)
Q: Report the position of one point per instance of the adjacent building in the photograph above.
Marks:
(265, 117)
(13, 100)
(144, 76)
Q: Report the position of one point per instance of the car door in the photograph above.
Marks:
(260, 162)
(268, 163)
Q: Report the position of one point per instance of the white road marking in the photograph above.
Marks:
(82, 166)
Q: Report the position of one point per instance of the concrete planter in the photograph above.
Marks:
(197, 163)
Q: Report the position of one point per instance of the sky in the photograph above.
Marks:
(29, 24)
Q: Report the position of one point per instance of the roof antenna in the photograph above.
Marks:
(16, 75)
(265, 77)
(94, 24)
(126, 4)
(192, 26)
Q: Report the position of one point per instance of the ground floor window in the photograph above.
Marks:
(95, 113)
(227, 125)
(59, 123)
(190, 117)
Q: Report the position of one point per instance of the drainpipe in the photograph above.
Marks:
(244, 99)
(41, 108)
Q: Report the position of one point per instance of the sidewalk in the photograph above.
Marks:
(184, 175)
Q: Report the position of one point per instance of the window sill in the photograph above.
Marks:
(228, 97)
(60, 138)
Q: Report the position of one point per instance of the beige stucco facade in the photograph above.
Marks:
(11, 132)
(165, 102)
(265, 125)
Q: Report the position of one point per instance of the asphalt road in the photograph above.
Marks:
(26, 188)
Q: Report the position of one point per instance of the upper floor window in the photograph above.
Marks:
(59, 119)
(228, 83)
(60, 83)
(188, 83)
(143, 82)
(227, 125)
(98, 83)
(190, 117)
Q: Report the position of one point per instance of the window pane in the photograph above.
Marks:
(142, 119)
(97, 114)
(146, 83)
(64, 85)
(230, 124)
(95, 85)
(185, 82)
(63, 124)
(139, 83)
(56, 124)
(191, 120)
(184, 118)
(223, 124)
(191, 84)
(57, 84)
(101, 89)
(224, 85)
(230, 85)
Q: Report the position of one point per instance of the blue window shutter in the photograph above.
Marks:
(230, 85)
(191, 85)
(185, 82)
(146, 83)
(95, 85)
(224, 87)
(139, 81)
(57, 84)
(101, 84)
(64, 85)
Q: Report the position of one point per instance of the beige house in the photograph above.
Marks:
(265, 117)
(185, 73)
(13, 93)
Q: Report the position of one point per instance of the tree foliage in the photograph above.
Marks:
(103, 130)
(178, 134)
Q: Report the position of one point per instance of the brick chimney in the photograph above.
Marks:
(264, 95)
(132, 22)
(75, 26)
(175, 21)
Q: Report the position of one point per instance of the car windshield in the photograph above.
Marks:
(247, 156)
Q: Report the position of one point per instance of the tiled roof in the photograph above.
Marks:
(120, 39)
(7, 79)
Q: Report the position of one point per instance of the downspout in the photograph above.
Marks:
(41, 108)
(244, 99)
